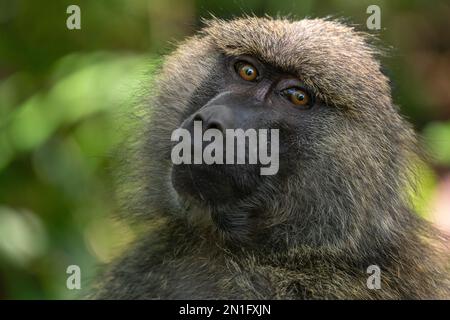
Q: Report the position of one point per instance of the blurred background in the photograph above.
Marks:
(61, 92)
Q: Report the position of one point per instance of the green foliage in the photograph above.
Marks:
(55, 147)
(437, 137)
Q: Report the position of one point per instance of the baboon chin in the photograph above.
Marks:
(335, 204)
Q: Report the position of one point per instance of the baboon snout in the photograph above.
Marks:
(213, 117)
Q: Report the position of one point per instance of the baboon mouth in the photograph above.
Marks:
(208, 184)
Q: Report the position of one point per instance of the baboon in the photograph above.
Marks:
(339, 203)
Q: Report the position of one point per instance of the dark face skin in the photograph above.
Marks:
(247, 94)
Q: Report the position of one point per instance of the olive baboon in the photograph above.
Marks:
(338, 203)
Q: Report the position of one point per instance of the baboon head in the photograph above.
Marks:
(343, 147)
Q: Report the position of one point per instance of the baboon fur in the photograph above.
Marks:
(344, 207)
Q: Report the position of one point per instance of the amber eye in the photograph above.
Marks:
(298, 96)
(246, 71)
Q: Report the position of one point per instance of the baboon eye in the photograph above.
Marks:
(246, 71)
(298, 96)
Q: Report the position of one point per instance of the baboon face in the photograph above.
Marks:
(341, 141)
(245, 93)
